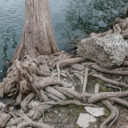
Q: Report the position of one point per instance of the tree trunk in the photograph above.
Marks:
(37, 38)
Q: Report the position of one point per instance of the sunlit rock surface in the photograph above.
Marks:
(107, 51)
(84, 120)
(96, 112)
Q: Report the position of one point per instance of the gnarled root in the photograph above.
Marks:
(105, 95)
(26, 101)
(4, 118)
(38, 111)
(108, 71)
(113, 117)
(101, 77)
(24, 121)
(119, 101)
(33, 125)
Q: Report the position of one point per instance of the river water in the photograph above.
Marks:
(71, 19)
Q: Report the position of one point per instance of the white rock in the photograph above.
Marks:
(95, 111)
(84, 120)
(97, 88)
(107, 51)
(92, 119)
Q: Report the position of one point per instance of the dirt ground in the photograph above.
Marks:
(66, 117)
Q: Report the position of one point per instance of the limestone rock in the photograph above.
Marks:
(107, 51)
(84, 120)
(96, 112)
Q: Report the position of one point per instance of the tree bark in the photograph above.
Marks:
(37, 37)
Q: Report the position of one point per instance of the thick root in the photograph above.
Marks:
(4, 118)
(113, 117)
(109, 81)
(105, 95)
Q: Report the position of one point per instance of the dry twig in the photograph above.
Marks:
(114, 112)
(85, 80)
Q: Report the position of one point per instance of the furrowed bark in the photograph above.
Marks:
(37, 38)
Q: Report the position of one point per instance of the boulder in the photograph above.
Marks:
(107, 51)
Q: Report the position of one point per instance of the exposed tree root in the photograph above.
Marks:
(29, 123)
(43, 96)
(105, 95)
(113, 117)
(69, 92)
(71, 61)
(42, 78)
(39, 110)
(32, 78)
(79, 76)
(33, 125)
(120, 101)
(24, 121)
(4, 118)
(104, 70)
(109, 81)
(14, 122)
(125, 63)
(26, 101)
(44, 83)
(56, 93)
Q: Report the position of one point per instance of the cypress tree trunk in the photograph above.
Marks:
(37, 37)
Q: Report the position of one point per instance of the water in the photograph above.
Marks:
(71, 19)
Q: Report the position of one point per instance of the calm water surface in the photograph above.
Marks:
(71, 19)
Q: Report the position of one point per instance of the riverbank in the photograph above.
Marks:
(54, 90)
